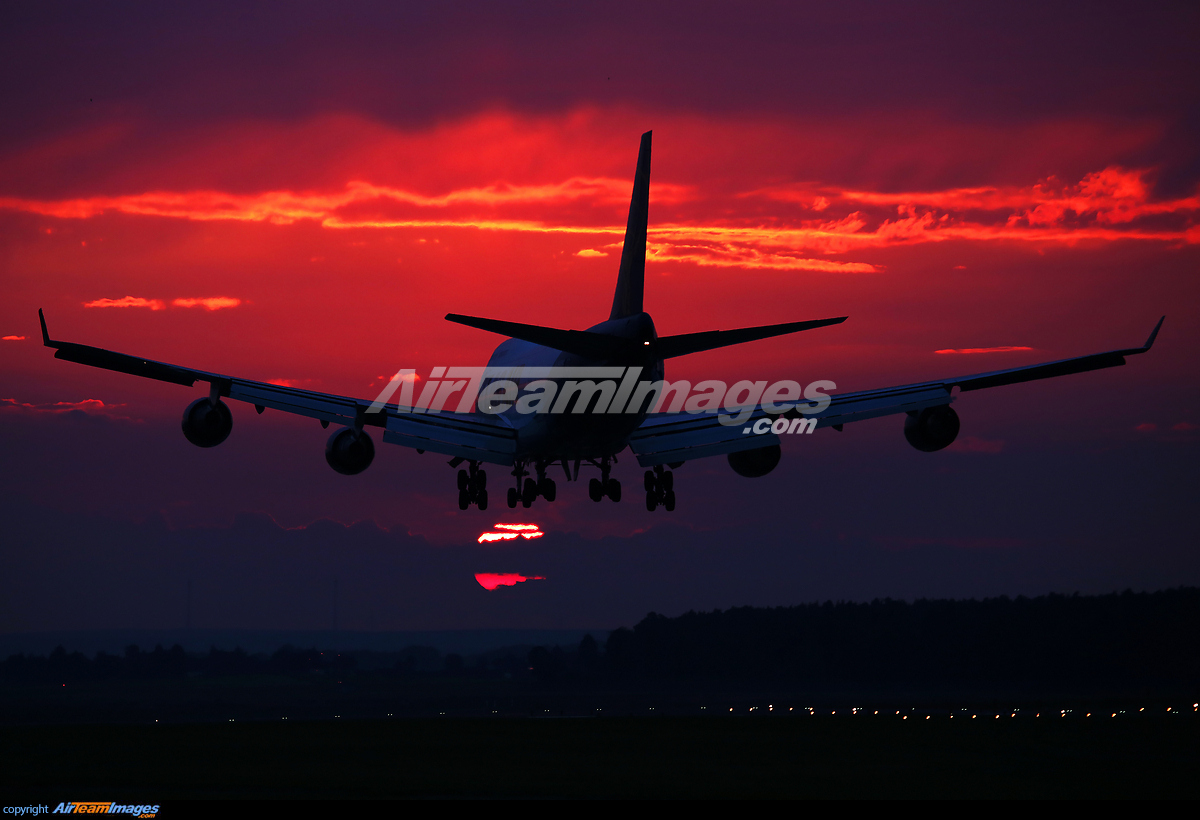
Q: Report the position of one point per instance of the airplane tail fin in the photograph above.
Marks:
(631, 280)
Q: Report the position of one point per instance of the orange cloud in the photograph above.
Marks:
(125, 302)
(12, 338)
(211, 303)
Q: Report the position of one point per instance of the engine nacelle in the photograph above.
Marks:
(206, 424)
(349, 451)
(755, 463)
(931, 429)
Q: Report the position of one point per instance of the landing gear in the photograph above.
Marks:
(472, 487)
(660, 489)
(605, 485)
(529, 489)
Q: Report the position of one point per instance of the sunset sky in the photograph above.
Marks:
(300, 192)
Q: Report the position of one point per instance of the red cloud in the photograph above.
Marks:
(94, 407)
(492, 580)
(971, 350)
(767, 228)
(971, 444)
(12, 338)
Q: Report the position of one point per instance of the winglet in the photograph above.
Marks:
(1153, 334)
(46, 334)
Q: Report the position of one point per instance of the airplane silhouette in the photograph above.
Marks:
(591, 434)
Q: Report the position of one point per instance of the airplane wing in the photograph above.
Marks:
(666, 438)
(477, 437)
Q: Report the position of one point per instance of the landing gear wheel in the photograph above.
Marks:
(481, 499)
(464, 499)
(613, 489)
(480, 481)
(512, 498)
(668, 481)
(651, 501)
(650, 481)
(530, 493)
(669, 501)
(548, 489)
(463, 480)
(595, 489)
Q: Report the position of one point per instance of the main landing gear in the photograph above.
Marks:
(528, 489)
(472, 487)
(660, 489)
(605, 485)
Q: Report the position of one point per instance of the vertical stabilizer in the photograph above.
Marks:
(631, 279)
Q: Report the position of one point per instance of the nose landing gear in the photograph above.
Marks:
(660, 489)
(527, 489)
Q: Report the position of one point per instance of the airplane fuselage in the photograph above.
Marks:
(586, 434)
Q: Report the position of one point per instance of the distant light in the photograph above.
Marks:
(646, 343)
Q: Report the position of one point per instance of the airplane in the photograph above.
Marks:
(530, 444)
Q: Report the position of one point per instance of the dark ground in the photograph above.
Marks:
(760, 755)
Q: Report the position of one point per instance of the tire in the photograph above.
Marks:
(668, 481)
(481, 481)
(595, 489)
(481, 500)
(463, 480)
(613, 490)
(650, 481)
(464, 499)
(550, 491)
(530, 493)
(651, 502)
(669, 502)
(512, 498)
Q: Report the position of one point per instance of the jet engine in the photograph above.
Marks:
(755, 463)
(349, 451)
(207, 424)
(931, 429)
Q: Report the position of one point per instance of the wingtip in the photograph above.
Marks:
(45, 333)
(1154, 334)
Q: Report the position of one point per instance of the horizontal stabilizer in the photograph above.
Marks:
(672, 346)
(579, 342)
